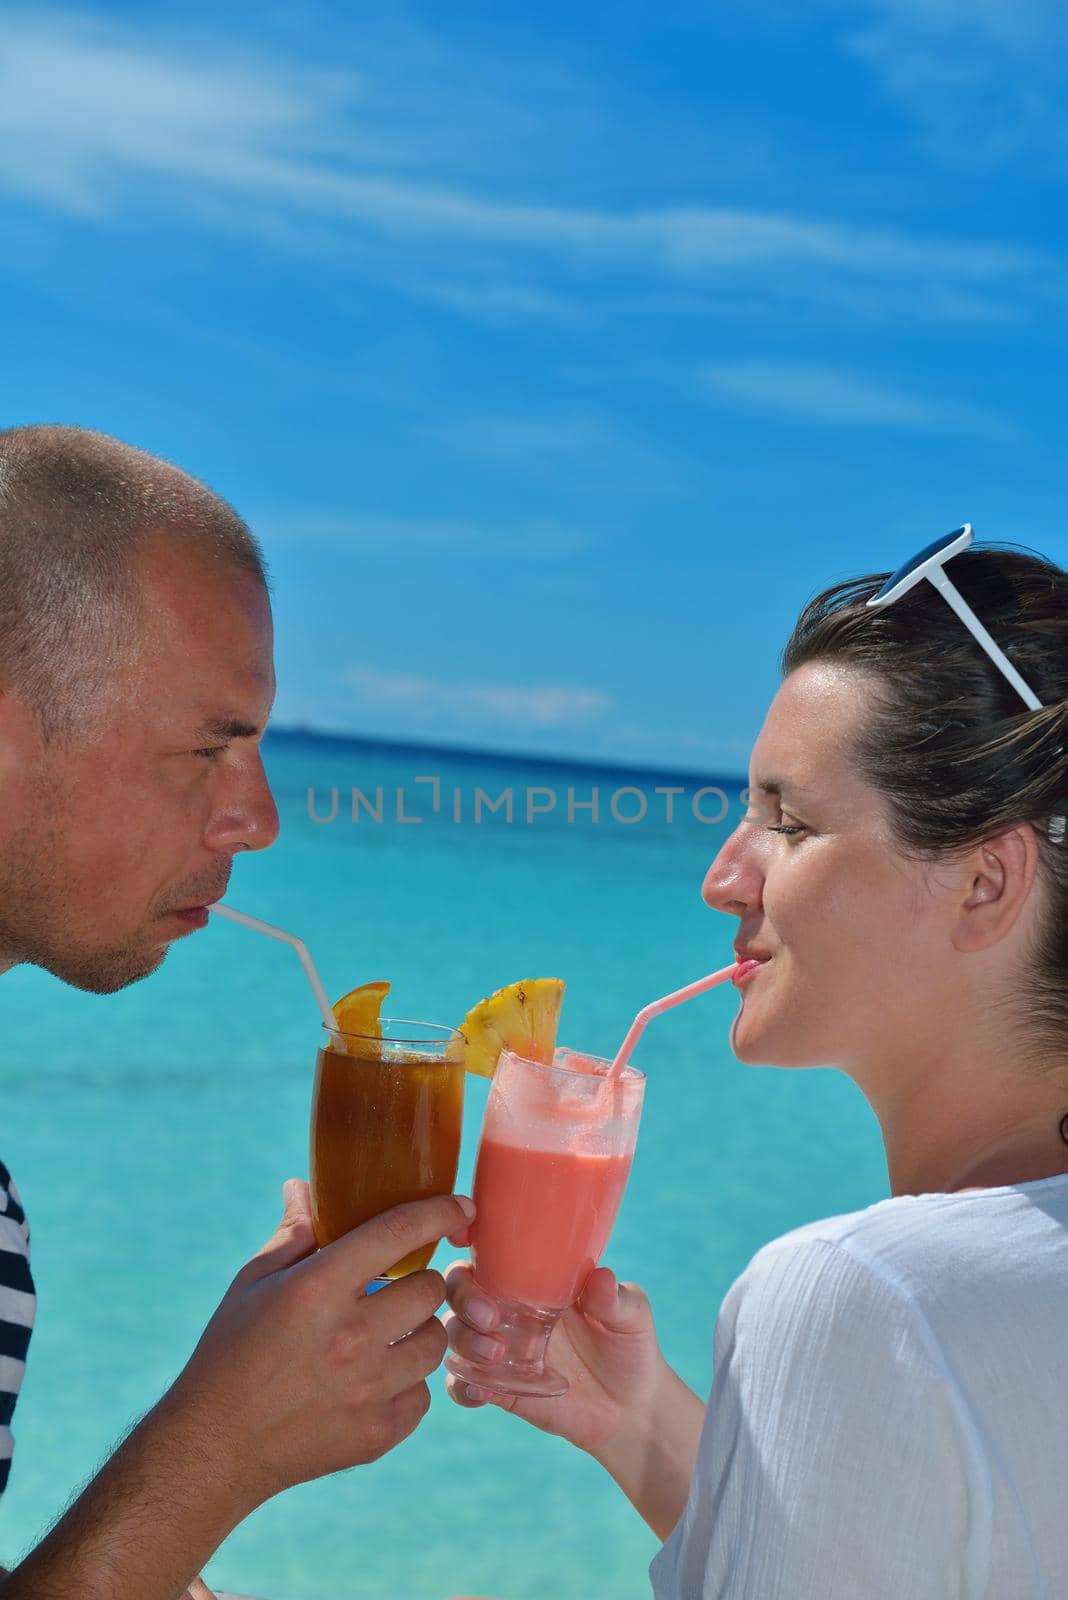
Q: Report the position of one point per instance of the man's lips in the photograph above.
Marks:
(198, 905)
(193, 916)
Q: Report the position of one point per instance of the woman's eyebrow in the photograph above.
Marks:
(783, 787)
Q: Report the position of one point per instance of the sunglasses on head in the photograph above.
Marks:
(930, 563)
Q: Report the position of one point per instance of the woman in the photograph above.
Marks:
(889, 1414)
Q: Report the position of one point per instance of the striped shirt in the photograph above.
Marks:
(17, 1305)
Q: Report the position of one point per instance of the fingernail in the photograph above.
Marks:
(466, 1206)
(488, 1349)
(480, 1314)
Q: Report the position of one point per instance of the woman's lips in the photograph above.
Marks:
(746, 970)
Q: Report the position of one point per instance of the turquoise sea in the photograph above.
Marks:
(150, 1133)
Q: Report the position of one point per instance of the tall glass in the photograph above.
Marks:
(553, 1161)
(385, 1125)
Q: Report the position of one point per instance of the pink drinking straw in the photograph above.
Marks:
(637, 1027)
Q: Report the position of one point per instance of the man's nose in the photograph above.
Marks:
(247, 816)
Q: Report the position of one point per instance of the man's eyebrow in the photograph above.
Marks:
(227, 728)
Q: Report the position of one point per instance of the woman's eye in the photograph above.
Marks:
(765, 810)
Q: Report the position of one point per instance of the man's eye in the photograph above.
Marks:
(782, 828)
(210, 752)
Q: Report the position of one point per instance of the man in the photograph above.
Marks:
(136, 679)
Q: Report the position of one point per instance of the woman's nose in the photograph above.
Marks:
(734, 882)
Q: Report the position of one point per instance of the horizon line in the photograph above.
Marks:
(490, 753)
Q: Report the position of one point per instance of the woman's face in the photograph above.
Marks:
(857, 938)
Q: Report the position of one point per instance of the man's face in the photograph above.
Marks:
(103, 841)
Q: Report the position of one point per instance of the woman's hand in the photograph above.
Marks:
(624, 1405)
(605, 1345)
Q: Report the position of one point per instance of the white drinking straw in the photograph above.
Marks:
(287, 938)
(637, 1027)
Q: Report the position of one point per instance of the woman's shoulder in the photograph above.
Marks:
(916, 1253)
(912, 1223)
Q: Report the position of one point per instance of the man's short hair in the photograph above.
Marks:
(75, 508)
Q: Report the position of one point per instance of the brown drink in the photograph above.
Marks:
(385, 1126)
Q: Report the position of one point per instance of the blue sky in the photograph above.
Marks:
(557, 356)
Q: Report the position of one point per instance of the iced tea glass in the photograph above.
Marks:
(553, 1161)
(385, 1125)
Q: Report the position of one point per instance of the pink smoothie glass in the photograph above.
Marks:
(556, 1148)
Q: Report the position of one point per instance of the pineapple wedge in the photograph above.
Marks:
(358, 1011)
(522, 1017)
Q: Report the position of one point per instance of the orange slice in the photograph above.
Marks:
(358, 1011)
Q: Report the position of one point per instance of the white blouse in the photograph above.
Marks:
(889, 1414)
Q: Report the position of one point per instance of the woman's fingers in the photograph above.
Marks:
(465, 1394)
(468, 1342)
(467, 1300)
(470, 1396)
(619, 1307)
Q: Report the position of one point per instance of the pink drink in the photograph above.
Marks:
(549, 1214)
(557, 1144)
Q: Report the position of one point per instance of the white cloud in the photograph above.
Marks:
(684, 744)
(985, 80)
(814, 393)
(496, 302)
(574, 451)
(98, 121)
(539, 706)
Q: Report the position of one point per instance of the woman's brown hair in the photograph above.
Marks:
(949, 743)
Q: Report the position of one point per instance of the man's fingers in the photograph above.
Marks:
(371, 1249)
(292, 1240)
(406, 1304)
(409, 1408)
(415, 1357)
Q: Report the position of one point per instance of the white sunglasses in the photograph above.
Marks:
(930, 564)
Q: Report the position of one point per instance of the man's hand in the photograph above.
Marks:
(299, 1373)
